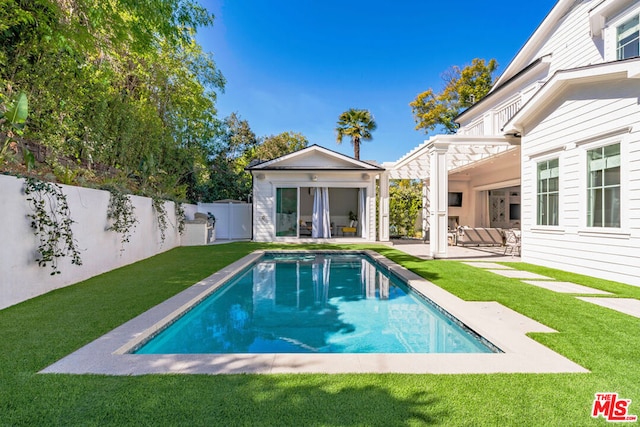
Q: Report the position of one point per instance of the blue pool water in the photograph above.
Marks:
(314, 303)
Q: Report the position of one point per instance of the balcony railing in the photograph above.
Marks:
(503, 115)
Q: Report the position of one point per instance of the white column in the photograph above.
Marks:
(383, 231)
(439, 185)
(425, 209)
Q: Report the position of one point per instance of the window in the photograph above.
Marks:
(628, 42)
(548, 192)
(603, 186)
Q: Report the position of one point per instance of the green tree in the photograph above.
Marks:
(462, 88)
(405, 202)
(115, 85)
(357, 125)
(274, 146)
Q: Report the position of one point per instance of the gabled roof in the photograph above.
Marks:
(527, 52)
(315, 157)
(563, 80)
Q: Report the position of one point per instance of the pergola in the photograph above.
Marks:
(432, 162)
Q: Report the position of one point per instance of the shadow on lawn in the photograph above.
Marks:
(330, 400)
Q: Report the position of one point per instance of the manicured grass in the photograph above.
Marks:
(38, 332)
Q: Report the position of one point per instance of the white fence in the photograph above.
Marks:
(100, 250)
(233, 220)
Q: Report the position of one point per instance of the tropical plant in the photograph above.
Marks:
(13, 116)
(51, 220)
(357, 125)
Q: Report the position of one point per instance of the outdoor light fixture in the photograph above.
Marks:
(365, 177)
(314, 178)
(260, 176)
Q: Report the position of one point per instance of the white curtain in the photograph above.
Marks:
(320, 220)
(362, 207)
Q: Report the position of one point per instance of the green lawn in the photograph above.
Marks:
(38, 332)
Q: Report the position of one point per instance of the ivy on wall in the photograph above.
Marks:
(51, 222)
(161, 217)
(121, 214)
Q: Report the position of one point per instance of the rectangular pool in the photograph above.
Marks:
(315, 303)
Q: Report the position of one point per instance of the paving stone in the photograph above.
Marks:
(566, 287)
(628, 306)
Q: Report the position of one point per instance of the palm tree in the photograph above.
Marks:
(357, 124)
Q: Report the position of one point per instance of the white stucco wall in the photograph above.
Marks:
(580, 120)
(264, 193)
(20, 276)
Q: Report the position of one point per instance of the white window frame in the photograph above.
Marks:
(637, 32)
(624, 188)
(537, 192)
(610, 32)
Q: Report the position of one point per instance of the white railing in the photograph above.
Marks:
(503, 115)
(476, 129)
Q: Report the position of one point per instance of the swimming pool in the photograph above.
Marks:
(112, 353)
(315, 303)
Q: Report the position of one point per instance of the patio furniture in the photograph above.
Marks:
(352, 228)
(305, 228)
(512, 241)
(480, 236)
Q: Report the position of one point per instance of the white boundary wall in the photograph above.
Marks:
(233, 220)
(20, 276)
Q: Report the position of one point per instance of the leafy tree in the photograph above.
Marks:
(116, 85)
(462, 88)
(357, 125)
(274, 146)
(405, 203)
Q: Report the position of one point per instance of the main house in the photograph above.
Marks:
(553, 149)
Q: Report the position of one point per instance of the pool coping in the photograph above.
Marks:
(505, 328)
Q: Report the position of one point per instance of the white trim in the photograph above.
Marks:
(562, 80)
(599, 15)
(500, 184)
(624, 186)
(357, 164)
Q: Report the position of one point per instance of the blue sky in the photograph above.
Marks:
(296, 65)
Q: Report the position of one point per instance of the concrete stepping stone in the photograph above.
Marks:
(491, 265)
(519, 274)
(628, 306)
(566, 287)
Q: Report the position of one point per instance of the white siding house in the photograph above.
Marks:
(314, 193)
(568, 105)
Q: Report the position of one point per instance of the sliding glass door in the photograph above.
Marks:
(286, 211)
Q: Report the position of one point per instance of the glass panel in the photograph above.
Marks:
(286, 212)
(612, 176)
(542, 210)
(553, 184)
(596, 207)
(595, 178)
(612, 207)
(628, 38)
(554, 209)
